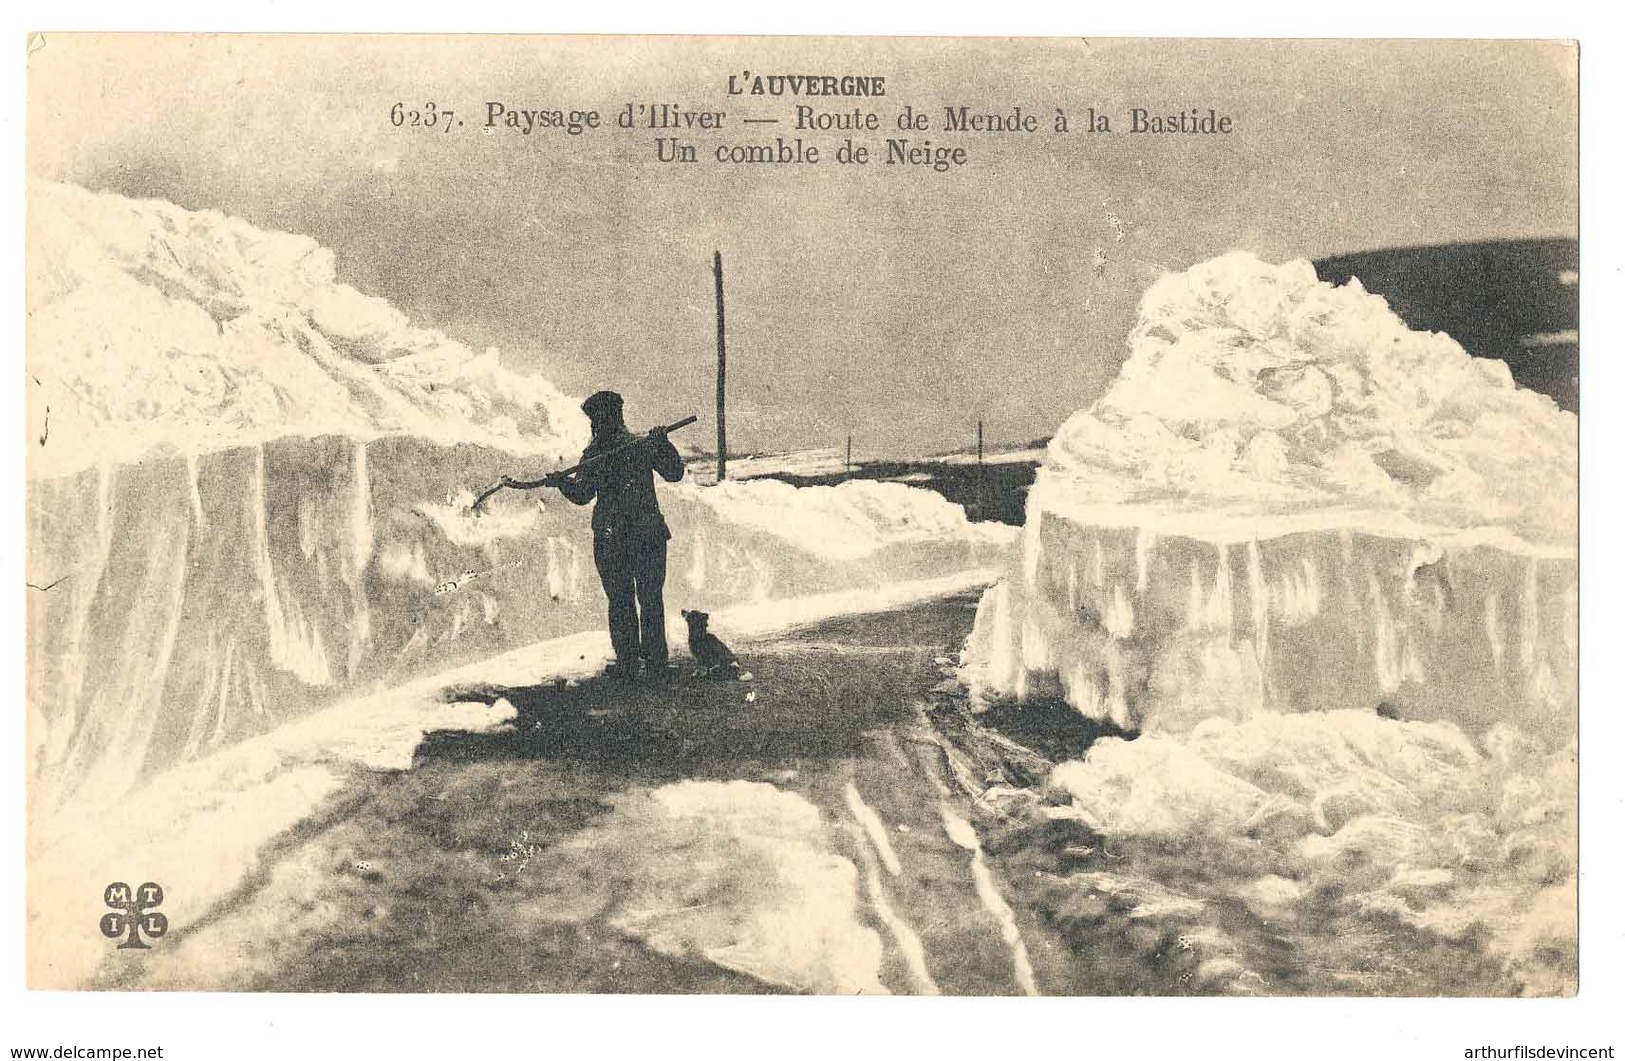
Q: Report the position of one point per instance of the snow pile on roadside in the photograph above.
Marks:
(1259, 387)
(810, 462)
(1289, 499)
(846, 522)
(151, 324)
(201, 828)
(749, 882)
(1325, 566)
(1345, 818)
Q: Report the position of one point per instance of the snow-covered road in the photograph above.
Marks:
(793, 832)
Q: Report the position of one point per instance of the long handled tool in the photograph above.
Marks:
(584, 465)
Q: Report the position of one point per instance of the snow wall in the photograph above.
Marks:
(1325, 567)
(248, 491)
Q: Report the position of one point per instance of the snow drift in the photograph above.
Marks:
(151, 324)
(1257, 390)
(1325, 567)
(1293, 498)
(248, 489)
(203, 826)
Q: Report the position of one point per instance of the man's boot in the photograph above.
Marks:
(619, 672)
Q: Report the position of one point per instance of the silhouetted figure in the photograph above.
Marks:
(629, 533)
(712, 658)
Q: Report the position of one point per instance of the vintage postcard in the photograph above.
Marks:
(673, 515)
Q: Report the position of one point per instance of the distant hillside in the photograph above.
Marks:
(1514, 300)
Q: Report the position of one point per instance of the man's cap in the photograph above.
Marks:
(602, 402)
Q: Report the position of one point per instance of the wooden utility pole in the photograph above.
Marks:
(722, 378)
(981, 475)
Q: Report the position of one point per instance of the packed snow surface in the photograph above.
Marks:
(851, 520)
(250, 495)
(249, 505)
(1289, 499)
(200, 828)
(153, 324)
(1348, 825)
(1033, 455)
(755, 465)
(1253, 388)
(1324, 567)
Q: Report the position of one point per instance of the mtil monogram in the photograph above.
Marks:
(133, 914)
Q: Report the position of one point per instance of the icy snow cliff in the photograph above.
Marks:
(1325, 567)
(1289, 495)
(248, 490)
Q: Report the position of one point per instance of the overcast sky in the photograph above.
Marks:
(897, 305)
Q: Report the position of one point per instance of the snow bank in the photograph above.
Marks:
(150, 324)
(248, 491)
(1156, 632)
(852, 520)
(811, 462)
(1348, 824)
(743, 874)
(1289, 500)
(201, 826)
(1009, 456)
(1258, 390)
(1325, 566)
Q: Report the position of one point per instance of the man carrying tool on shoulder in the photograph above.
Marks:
(629, 533)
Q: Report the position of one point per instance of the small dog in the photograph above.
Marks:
(712, 658)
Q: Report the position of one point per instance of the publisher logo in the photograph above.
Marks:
(133, 914)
